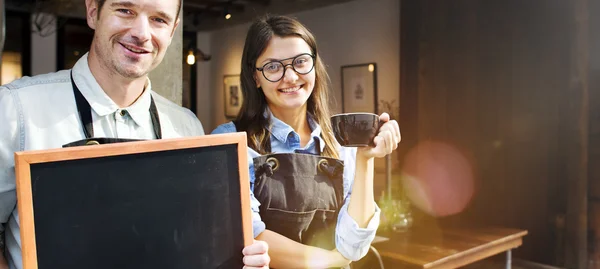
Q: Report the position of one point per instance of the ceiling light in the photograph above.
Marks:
(191, 58)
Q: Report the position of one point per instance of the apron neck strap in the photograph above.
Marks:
(85, 113)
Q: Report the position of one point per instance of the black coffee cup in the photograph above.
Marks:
(355, 129)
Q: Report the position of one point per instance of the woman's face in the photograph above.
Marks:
(294, 89)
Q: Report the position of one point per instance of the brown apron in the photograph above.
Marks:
(300, 195)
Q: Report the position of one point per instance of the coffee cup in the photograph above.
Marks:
(355, 129)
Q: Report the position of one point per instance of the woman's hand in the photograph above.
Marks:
(256, 255)
(386, 140)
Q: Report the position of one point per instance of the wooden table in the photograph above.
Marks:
(449, 248)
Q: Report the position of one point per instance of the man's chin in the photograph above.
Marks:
(133, 73)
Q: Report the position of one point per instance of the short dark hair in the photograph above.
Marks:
(101, 3)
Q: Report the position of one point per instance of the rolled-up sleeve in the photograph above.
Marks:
(352, 241)
(258, 226)
(9, 143)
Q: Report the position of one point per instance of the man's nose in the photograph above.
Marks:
(140, 29)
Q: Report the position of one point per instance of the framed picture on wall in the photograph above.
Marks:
(233, 95)
(359, 88)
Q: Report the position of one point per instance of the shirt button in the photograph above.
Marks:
(123, 113)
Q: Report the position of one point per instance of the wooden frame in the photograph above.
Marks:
(24, 160)
(359, 88)
(232, 95)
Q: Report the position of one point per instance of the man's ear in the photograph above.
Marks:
(91, 13)
(175, 26)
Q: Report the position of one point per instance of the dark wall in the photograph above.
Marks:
(507, 82)
(594, 138)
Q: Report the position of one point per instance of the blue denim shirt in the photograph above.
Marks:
(351, 241)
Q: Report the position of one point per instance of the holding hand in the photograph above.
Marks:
(386, 140)
(256, 256)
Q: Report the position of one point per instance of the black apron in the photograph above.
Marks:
(300, 195)
(85, 114)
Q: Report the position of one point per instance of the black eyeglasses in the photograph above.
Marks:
(275, 70)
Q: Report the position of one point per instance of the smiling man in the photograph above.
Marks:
(107, 94)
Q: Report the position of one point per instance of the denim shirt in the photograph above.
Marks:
(40, 113)
(351, 241)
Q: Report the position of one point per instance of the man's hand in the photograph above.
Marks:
(256, 256)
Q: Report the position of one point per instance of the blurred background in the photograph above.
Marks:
(498, 101)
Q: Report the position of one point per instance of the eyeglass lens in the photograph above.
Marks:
(275, 70)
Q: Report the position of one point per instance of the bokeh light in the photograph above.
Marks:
(438, 179)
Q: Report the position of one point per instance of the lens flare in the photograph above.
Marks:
(438, 179)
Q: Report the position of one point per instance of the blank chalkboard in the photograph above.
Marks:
(173, 203)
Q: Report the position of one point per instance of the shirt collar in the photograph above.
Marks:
(281, 131)
(101, 103)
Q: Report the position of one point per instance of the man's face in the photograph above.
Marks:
(132, 36)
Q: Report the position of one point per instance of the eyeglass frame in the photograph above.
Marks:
(261, 69)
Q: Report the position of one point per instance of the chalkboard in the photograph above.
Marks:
(172, 203)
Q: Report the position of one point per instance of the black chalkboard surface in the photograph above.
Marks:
(173, 203)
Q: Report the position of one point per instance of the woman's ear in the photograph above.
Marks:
(256, 80)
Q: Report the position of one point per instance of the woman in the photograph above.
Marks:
(301, 177)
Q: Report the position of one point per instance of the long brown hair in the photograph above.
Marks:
(251, 117)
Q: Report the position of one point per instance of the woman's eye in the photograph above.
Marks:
(272, 67)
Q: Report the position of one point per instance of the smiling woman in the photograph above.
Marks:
(302, 178)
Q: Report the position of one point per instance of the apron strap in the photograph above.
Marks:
(85, 113)
(84, 110)
(155, 119)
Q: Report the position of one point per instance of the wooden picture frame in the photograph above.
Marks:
(359, 88)
(26, 163)
(233, 98)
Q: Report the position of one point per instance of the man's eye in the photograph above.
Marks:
(124, 11)
(159, 20)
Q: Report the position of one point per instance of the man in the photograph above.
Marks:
(106, 94)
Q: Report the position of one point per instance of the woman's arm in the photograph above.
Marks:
(362, 202)
(287, 253)
(359, 218)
